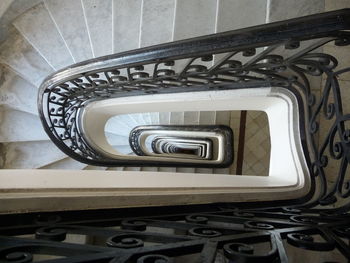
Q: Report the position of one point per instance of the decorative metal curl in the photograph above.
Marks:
(307, 242)
(154, 259)
(125, 241)
(241, 252)
(198, 219)
(51, 233)
(204, 232)
(15, 256)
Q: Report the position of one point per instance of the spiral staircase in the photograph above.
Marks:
(67, 110)
(45, 36)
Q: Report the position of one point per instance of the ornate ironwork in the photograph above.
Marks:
(254, 232)
(287, 60)
(241, 59)
(215, 233)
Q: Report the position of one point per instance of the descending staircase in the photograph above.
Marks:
(53, 34)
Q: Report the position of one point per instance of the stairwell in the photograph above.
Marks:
(44, 36)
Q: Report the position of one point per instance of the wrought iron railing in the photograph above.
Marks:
(215, 233)
(288, 56)
(317, 229)
(277, 54)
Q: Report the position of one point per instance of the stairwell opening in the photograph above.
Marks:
(251, 140)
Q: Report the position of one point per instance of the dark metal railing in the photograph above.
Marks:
(287, 60)
(285, 54)
(211, 233)
(317, 229)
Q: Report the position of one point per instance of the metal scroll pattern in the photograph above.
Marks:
(293, 65)
(206, 234)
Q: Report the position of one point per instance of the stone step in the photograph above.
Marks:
(17, 93)
(66, 164)
(30, 155)
(19, 126)
(70, 20)
(37, 26)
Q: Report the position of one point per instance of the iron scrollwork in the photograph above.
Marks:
(293, 59)
(206, 233)
(253, 232)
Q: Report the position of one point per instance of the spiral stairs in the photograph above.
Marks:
(81, 183)
(39, 39)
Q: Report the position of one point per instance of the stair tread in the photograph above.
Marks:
(29, 155)
(123, 149)
(14, 122)
(119, 125)
(92, 167)
(65, 164)
(19, 55)
(190, 22)
(126, 31)
(157, 22)
(99, 21)
(115, 168)
(16, 92)
(137, 169)
(38, 28)
(68, 12)
(115, 139)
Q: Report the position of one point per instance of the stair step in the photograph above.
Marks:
(20, 126)
(120, 125)
(177, 118)
(147, 118)
(30, 155)
(67, 13)
(65, 164)
(123, 149)
(167, 169)
(18, 54)
(149, 169)
(223, 118)
(281, 10)
(154, 118)
(115, 139)
(38, 28)
(16, 92)
(135, 169)
(157, 22)
(98, 16)
(115, 168)
(207, 117)
(126, 31)
(231, 15)
(194, 18)
(138, 119)
(92, 167)
(164, 118)
(191, 118)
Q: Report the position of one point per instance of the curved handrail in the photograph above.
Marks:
(287, 60)
(62, 94)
